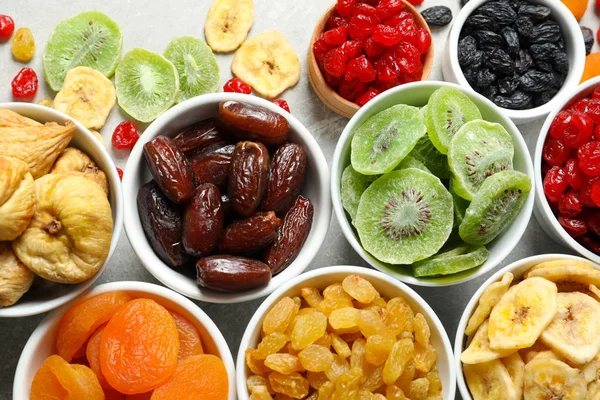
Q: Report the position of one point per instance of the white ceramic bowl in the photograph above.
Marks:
(42, 296)
(574, 43)
(316, 188)
(518, 269)
(42, 342)
(543, 212)
(323, 277)
(417, 94)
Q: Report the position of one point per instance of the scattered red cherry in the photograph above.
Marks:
(125, 135)
(120, 172)
(25, 84)
(236, 85)
(7, 26)
(283, 104)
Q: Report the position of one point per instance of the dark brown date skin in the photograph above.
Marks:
(227, 209)
(198, 136)
(250, 122)
(286, 178)
(203, 221)
(292, 235)
(248, 174)
(162, 223)
(249, 235)
(211, 165)
(226, 273)
(170, 169)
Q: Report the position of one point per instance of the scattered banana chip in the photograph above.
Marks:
(490, 297)
(228, 23)
(75, 161)
(490, 381)
(268, 63)
(516, 369)
(45, 102)
(86, 95)
(553, 379)
(479, 350)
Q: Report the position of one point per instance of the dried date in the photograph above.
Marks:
(250, 235)
(437, 15)
(226, 273)
(286, 178)
(212, 164)
(248, 175)
(203, 221)
(198, 136)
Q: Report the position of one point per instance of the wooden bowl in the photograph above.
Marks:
(329, 96)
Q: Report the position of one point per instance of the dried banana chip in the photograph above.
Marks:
(17, 197)
(548, 378)
(75, 161)
(479, 350)
(15, 278)
(572, 275)
(228, 23)
(516, 369)
(490, 380)
(490, 297)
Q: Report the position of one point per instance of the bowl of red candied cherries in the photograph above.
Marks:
(567, 168)
(361, 48)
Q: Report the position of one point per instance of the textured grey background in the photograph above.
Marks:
(151, 24)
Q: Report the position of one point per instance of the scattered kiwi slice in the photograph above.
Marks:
(404, 216)
(425, 152)
(495, 205)
(459, 259)
(353, 185)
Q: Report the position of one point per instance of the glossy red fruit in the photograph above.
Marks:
(125, 135)
(7, 27)
(574, 227)
(374, 49)
(408, 57)
(345, 7)
(409, 30)
(335, 21)
(596, 133)
(555, 184)
(335, 62)
(236, 85)
(363, 22)
(586, 191)
(416, 2)
(367, 96)
(335, 36)
(361, 69)
(574, 174)
(559, 124)
(387, 8)
(589, 107)
(350, 90)
(283, 104)
(320, 49)
(386, 35)
(593, 222)
(555, 152)
(595, 193)
(589, 158)
(25, 84)
(387, 67)
(395, 20)
(598, 3)
(120, 172)
(423, 41)
(571, 205)
(579, 130)
(352, 49)
(596, 94)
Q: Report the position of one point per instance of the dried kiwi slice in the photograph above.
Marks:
(494, 206)
(457, 260)
(460, 205)
(431, 157)
(385, 139)
(89, 39)
(353, 185)
(411, 162)
(477, 151)
(404, 216)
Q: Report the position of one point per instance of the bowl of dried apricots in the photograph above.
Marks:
(126, 339)
(343, 329)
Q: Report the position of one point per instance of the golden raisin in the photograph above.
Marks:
(316, 379)
(422, 332)
(344, 318)
(347, 384)
(378, 348)
(280, 316)
(340, 346)
(23, 45)
(293, 385)
(260, 393)
(256, 380)
(371, 323)
(315, 358)
(256, 366)
(359, 288)
(425, 357)
(326, 390)
(435, 383)
(357, 359)
(393, 392)
(419, 389)
(284, 363)
(312, 296)
(308, 328)
(271, 344)
(398, 316)
(373, 378)
(402, 351)
(407, 376)
(324, 341)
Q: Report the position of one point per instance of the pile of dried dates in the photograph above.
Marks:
(226, 194)
(513, 52)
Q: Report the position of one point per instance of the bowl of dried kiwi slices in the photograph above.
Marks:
(432, 184)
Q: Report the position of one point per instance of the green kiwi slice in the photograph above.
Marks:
(411, 162)
(146, 83)
(448, 109)
(353, 185)
(425, 152)
(494, 206)
(460, 205)
(404, 216)
(477, 151)
(196, 67)
(460, 259)
(90, 39)
(385, 139)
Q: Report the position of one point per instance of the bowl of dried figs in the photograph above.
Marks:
(227, 198)
(60, 209)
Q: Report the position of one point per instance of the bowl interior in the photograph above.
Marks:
(44, 295)
(316, 188)
(417, 94)
(324, 277)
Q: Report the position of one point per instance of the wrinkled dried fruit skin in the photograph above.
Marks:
(225, 273)
(292, 235)
(163, 223)
(293, 385)
(170, 169)
(250, 234)
(249, 122)
(203, 221)
(15, 277)
(437, 15)
(75, 161)
(286, 178)
(190, 343)
(56, 379)
(248, 174)
(211, 165)
(17, 197)
(198, 136)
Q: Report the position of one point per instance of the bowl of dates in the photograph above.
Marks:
(567, 172)
(362, 48)
(227, 197)
(523, 55)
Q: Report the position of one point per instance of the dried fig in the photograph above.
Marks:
(15, 277)
(17, 197)
(75, 161)
(69, 236)
(203, 221)
(198, 136)
(286, 178)
(225, 273)
(248, 175)
(250, 234)
(162, 222)
(39, 146)
(11, 119)
(211, 165)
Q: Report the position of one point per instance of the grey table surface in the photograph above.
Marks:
(151, 24)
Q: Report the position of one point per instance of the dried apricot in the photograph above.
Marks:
(82, 320)
(280, 316)
(190, 343)
(139, 347)
(92, 354)
(592, 67)
(57, 379)
(577, 7)
(197, 377)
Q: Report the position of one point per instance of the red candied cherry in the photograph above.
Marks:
(423, 41)
(396, 19)
(589, 158)
(367, 96)
(574, 227)
(362, 69)
(559, 124)
(120, 172)
(331, 80)
(586, 191)
(362, 22)
(579, 130)
(555, 152)
(374, 49)
(593, 221)
(596, 133)
(352, 49)
(7, 26)
(408, 57)
(409, 30)
(386, 35)
(387, 8)
(335, 21)
(571, 204)
(555, 184)
(596, 94)
(236, 85)
(25, 84)
(283, 104)
(125, 135)
(595, 193)
(387, 67)
(350, 90)
(335, 36)
(345, 7)
(416, 2)
(334, 62)
(574, 174)
(320, 48)
(589, 107)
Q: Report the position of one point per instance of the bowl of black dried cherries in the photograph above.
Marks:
(523, 55)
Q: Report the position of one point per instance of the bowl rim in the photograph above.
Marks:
(114, 183)
(336, 167)
(156, 267)
(127, 286)
(470, 307)
(345, 269)
(576, 66)
(548, 215)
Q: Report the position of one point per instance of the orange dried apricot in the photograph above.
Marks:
(577, 7)
(190, 343)
(139, 347)
(592, 67)
(92, 354)
(197, 377)
(57, 379)
(82, 320)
